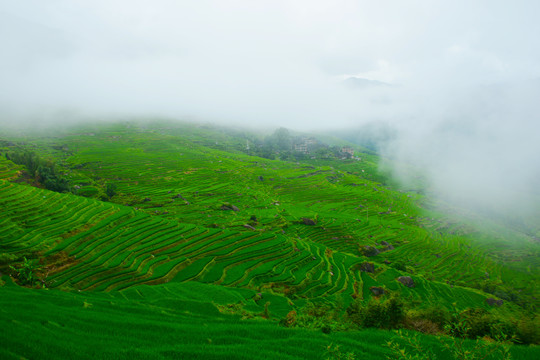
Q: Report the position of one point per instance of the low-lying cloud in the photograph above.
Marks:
(482, 153)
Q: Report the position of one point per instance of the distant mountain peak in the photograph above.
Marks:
(362, 83)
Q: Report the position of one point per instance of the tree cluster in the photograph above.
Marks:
(42, 171)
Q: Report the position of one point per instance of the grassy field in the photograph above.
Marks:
(171, 321)
(202, 249)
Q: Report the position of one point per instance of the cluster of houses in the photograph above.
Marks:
(308, 145)
(305, 145)
(283, 145)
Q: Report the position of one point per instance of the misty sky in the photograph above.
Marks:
(461, 78)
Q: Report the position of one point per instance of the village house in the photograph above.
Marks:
(348, 150)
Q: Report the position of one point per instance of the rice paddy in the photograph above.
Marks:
(197, 224)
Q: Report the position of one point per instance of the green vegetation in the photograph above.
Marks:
(39, 171)
(180, 239)
(25, 273)
(412, 348)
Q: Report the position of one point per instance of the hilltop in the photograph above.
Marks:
(164, 225)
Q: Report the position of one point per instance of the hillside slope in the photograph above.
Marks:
(190, 206)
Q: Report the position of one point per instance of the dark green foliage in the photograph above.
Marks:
(388, 314)
(25, 273)
(51, 180)
(27, 158)
(479, 323)
(437, 315)
(43, 171)
(393, 311)
(399, 265)
(111, 189)
(528, 330)
(326, 329)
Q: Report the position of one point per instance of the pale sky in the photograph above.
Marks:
(278, 62)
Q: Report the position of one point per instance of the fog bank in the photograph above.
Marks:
(482, 153)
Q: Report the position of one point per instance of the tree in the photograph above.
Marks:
(41, 170)
(282, 138)
(111, 190)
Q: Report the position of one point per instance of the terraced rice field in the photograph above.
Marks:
(154, 175)
(113, 248)
(175, 229)
(192, 212)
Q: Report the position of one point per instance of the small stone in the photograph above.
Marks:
(377, 291)
(367, 267)
(308, 221)
(494, 302)
(369, 250)
(406, 280)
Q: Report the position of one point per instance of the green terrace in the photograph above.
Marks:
(104, 247)
(166, 227)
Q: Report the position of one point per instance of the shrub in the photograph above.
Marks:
(479, 323)
(436, 315)
(394, 311)
(327, 329)
(289, 320)
(386, 315)
(319, 316)
(528, 330)
(26, 272)
(50, 179)
(398, 265)
(110, 190)
(43, 171)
